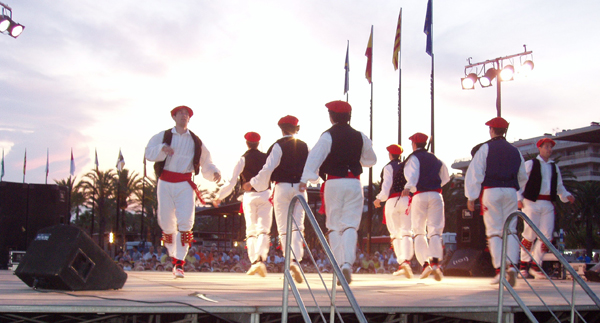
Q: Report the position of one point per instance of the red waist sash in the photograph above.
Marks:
(173, 177)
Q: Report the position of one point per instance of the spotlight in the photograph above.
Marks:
(507, 73)
(468, 82)
(15, 30)
(486, 79)
(526, 67)
(5, 22)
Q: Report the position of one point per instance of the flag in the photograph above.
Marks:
(72, 170)
(47, 163)
(120, 161)
(2, 170)
(96, 161)
(397, 42)
(369, 54)
(428, 28)
(347, 68)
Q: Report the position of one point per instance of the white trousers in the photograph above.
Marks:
(399, 226)
(427, 217)
(175, 214)
(257, 213)
(541, 213)
(282, 196)
(343, 208)
(499, 203)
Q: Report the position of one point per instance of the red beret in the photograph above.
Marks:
(395, 149)
(252, 137)
(289, 120)
(174, 111)
(339, 106)
(497, 122)
(418, 138)
(545, 140)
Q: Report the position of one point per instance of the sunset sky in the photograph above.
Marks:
(103, 75)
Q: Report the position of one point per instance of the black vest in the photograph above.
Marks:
(294, 153)
(167, 137)
(534, 183)
(346, 149)
(429, 170)
(254, 162)
(502, 164)
(398, 179)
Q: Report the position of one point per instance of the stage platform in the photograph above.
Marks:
(234, 297)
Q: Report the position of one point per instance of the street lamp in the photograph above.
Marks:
(502, 69)
(7, 24)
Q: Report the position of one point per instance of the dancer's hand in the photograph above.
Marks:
(377, 203)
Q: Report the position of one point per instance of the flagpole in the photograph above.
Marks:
(400, 81)
(432, 140)
(94, 196)
(142, 238)
(370, 188)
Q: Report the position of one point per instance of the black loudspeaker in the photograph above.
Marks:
(13, 219)
(470, 230)
(470, 263)
(593, 274)
(63, 257)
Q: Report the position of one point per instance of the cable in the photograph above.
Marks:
(136, 301)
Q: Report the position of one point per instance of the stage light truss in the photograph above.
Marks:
(502, 69)
(7, 24)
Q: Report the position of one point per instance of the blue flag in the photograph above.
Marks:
(428, 28)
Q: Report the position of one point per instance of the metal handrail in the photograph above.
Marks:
(559, 257)
(337, 272)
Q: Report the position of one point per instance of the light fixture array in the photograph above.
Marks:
(7, 24)
(501, 68)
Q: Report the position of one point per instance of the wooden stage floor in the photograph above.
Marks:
(249, 297)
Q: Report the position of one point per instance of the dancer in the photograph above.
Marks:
(176, 153)
(396, 215)
(338, 157)
(256, 205)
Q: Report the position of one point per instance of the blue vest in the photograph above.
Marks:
(502, 164)
(429, 171)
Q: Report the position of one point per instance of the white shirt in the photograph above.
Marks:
(388, 180)
(412, 172)
(546, 170)
(321, 150)
(182, 160)
(476, 173)
(237, 170)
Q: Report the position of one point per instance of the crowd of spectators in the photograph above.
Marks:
(205, 259)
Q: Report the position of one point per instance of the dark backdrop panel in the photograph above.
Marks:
(13, 219)
(47, 207)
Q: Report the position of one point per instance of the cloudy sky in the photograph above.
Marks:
(103, 75)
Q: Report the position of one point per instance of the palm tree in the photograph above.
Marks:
(581, 219)
(126, 185)
(98, 188)
(147, 192)
(77, 198)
